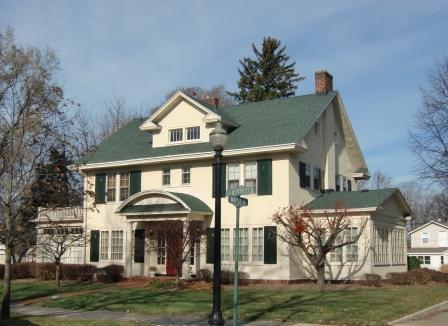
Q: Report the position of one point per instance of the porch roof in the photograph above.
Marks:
(154, 202)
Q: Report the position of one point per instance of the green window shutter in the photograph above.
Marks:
(94, 245)
(270, 245)
(135, 179)
(264, 174)
(210, 244)
(302, 176)
(349, 185)
(223, 180)
(139, 246)
(100, 188)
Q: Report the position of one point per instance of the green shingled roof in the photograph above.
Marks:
(352, 199)
(272, 122)
(193, 203)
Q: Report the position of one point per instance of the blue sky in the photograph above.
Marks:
(378, 52)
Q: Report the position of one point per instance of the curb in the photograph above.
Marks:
(419, 314)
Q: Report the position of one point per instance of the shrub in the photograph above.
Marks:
(372, 280)
(419, 276)
(78, 272)
(23, 270)
(413, 263)
(437, 276)
(46, 271)
(444, 268)
(110, 273)
(156, 284)
(398, 278)
(227, 277)
(204, 275)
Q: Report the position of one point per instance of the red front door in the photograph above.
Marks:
(173, 253)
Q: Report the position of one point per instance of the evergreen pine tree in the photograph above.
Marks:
(269, 75)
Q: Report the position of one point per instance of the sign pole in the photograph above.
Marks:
(235, 276)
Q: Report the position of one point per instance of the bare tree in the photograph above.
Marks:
(379, 180)
(429, 137)
(180, 238)
(32, 120)
(317, 236)
(56, 237)
(218, 92)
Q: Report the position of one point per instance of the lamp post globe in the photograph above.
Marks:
(218, 139)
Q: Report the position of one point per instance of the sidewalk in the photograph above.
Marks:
(436, 315)
(133, 317)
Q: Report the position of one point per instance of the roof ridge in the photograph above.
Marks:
(277, 99)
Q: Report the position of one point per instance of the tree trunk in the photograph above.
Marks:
(320, 269)
(6, 313)
(58, 274)
(177, 278)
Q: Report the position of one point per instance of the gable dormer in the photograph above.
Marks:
(181, 120)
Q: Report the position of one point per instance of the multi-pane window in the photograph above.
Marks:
(124, 186)
(344, 184)
(104, 245)
(225, 244)
(176, 135)
(192, 245)
(161, 248)
(425, 237)
(351, 249)
(117, 245)
(398, 249)
(244, 244)
(234, 175)
(425, 260)
(316, 178)
(186, 175)
(336, 254)
(193, 133)
(250, 176)
(166, 176)
(308, 175)
(111, 187)
(381, 244)
(338, 182)
(257, 245)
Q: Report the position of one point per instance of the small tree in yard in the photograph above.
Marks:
(180, 237)
(317, 236)
(56, 239)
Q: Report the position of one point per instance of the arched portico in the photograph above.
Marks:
(145, 213)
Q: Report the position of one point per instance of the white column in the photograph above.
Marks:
(186, 264)
(129, 253)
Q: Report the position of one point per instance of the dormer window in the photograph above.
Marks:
(193, 133)
(176, 135)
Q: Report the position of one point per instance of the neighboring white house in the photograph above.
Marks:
(430, 244)
(288, 151)
(2, 254)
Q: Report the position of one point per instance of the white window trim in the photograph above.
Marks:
(182, 131)
(422, 238)
(163, 177)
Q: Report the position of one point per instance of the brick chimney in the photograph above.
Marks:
(214, 101)
(323, 82)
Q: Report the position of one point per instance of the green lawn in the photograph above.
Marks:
(29, 289)
(47, 321)
(349, 306)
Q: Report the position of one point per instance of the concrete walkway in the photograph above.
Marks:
(436, 315)
(133, 317)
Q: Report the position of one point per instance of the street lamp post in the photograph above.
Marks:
(218, 139)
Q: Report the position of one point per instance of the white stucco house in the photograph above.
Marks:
(288, 151)
(429, 243)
